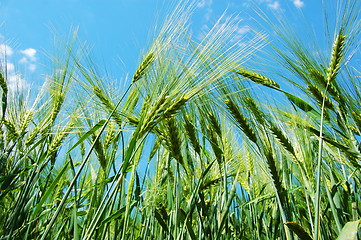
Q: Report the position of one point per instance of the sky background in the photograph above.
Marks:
(118, 31)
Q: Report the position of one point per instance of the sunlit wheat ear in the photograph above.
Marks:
(3, 83)
(11, 133)
(336, 56)
(104, 99)
(281, 137)
(317, 93)
(257, 78)
(240, 119)
(147, 62)
(172, 109)
(4, 88)
(191, 133)
(318, 76)
(251, 105)
(59, 138)
(110, 135)
(25, 121)
(214, 123)
(58, 102)
(174, 140)
(32, 136)
(2, 143)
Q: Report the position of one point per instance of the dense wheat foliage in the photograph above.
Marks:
(200, 144)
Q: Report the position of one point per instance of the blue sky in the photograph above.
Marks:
(117, 30)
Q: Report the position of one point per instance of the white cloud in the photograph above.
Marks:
(274, 5)
(32, 67)
(10, 67)
(29, 53)
(298, 3)
(208, 14)
(243, 30)
(203, 3)
(23, 60)
(29, 58)
(6, 50)
(17, 83)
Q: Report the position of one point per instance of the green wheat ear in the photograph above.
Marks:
(257, 78)
(148, 60)
(3, 83)
(336, 56)
(240, 119)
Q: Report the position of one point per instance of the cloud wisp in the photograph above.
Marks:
(298, 3)
(6, 50)
(274, 5)
(29, 58)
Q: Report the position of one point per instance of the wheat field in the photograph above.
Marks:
(201, 143)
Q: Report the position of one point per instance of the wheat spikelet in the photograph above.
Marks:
(357, 119)
(133, 120)
(192, 134)
(59, 99)
(336, 56)
(110, 135)
(215, 145)
(99, 151)
(319, 77)
(214, 123)
(241, 120)
(58, 139)
(282, 139)
(25, 121)
(174, 141)
(2, 144)
(3, 83)
(148, 60)
(316, 92)
(273, 171)
(107, 104)
(251, 105)
(32, 136)
(243, 180)
(171, 110)
(11, 133)
(258, 78)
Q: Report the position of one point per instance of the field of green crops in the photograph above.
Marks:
(202, 141)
